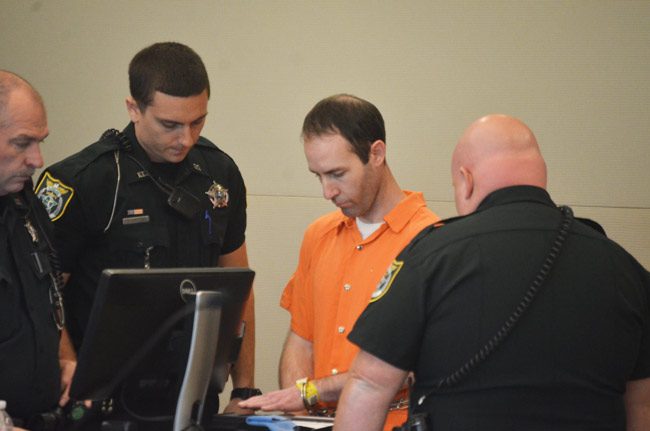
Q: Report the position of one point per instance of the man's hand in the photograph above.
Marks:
(67, 361)
(234, 408)
(67, 371)
(284, 400)
(637, 405)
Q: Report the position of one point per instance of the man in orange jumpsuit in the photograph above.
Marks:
(344, 255)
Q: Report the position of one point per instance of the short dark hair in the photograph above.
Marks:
(169, 67)
(357, 120)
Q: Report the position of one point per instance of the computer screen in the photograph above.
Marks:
(135, 321)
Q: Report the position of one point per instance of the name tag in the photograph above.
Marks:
(135, 220)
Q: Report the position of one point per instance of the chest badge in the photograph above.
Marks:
(218, 195)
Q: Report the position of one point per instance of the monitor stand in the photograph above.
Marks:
(200, 364)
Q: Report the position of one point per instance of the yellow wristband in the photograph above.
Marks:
(308, 392)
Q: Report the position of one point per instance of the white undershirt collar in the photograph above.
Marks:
(367, 229)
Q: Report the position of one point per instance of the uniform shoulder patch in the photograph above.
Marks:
(54, 195)
(387, 280)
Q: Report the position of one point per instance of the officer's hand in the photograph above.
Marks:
(67, 371)
(233, 408)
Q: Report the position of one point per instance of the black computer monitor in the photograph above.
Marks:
(136, 310)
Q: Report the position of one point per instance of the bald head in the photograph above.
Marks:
(23, 125)
(9, 83)
(496, 151)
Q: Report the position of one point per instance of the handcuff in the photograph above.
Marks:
(308, 393)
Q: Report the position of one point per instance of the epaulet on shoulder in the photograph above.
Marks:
(592, 224)
(204, 143)
(89, 154)
(424, 233)
(441, 223)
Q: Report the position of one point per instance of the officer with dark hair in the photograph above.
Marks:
(155, 195)
(33, 377)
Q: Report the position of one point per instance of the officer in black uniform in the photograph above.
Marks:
(153, 195)
(31, 313)
(514, 317)
(102, 222)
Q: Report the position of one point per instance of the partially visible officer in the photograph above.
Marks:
(32, 378)
(514, 317)
(110, 202)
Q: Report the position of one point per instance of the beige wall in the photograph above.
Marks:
(575, 71)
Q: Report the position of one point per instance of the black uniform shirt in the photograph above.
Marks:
(29, 339)
(143, 230)
(566, 363)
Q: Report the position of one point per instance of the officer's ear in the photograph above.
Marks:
(463, 182)
(133, 109)
(467, 181)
